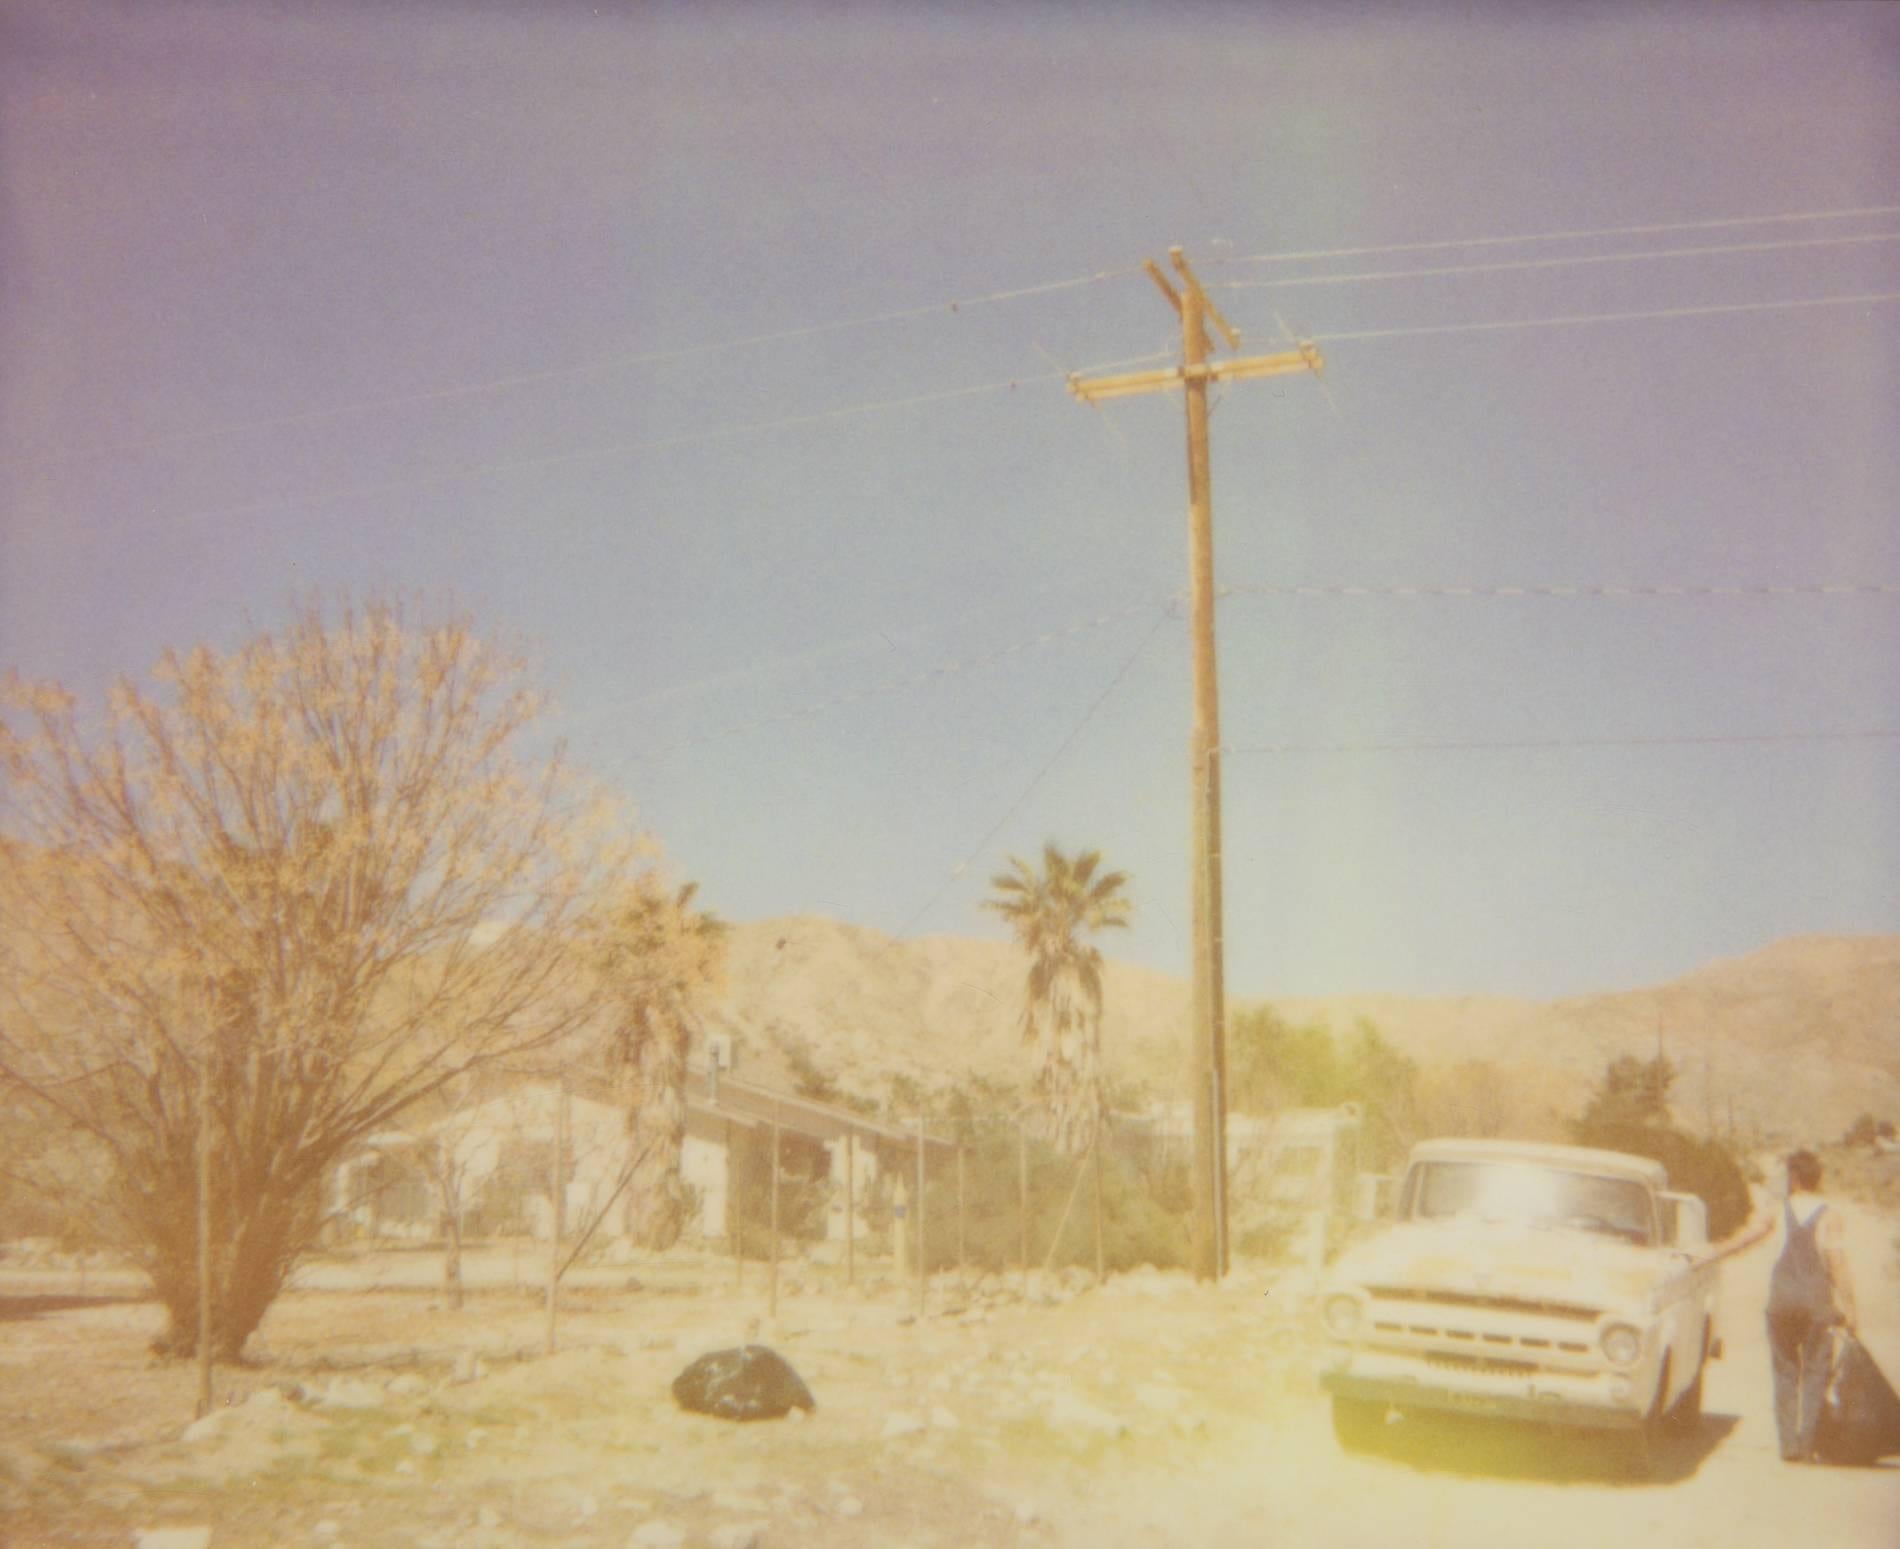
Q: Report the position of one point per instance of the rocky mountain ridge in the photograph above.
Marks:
(1793, 1040)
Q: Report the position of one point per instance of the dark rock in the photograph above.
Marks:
(749, 1382)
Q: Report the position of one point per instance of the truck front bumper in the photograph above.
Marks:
(1606, 1400)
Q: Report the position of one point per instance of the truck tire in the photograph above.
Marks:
(1357, 1422)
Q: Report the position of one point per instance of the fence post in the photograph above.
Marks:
(558, 1200)
(922, 1255)
(772, 1293)
(1022, 1196)
(850, 1208)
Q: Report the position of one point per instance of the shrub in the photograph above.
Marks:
(1145, 1220)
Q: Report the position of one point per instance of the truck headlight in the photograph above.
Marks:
(1622, 1344)
(1342, 1316)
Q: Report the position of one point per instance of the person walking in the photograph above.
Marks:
(1810, 1294)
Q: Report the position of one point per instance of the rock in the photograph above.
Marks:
(658, 1535)
(738, 1535)
(406, 1386)
(1027, 1514)
(736, 1503)
(1155, 1396)
(172, 1538)
(488, 1517)
(466, 1366)
(210, 1428)
(849, 1506)
(1067, 1411)
(326, 1530)
(901, 1422)
(424, 1445)
(942, 1419)
(350, 1393)
(748, 1382)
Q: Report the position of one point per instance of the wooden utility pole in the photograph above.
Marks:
(1209, 1037)
(923, 1271)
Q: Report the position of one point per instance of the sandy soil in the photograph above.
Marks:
(1148, 1412)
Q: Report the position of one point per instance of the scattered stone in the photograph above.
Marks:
(900, 1422)
(1027, 1514)
(658, 1535)
(424, 1445)
(327, 1529)
(172, 1538)
(488, 1517)
(748, 1382)
(736, 1503)
(1155, 1396)
(406, 1386)
(1070, 1412)
(942, 1419)
(849, 1506)
(467, 1366)
(351, 1393)
(738, 1535)
(210, 1428)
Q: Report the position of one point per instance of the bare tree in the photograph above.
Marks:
(659, 957)
(327, 874)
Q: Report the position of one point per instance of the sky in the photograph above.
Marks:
(718, 353)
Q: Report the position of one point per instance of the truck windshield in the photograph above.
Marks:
(1521, 1195)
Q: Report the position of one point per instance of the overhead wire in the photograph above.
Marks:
(1810, 589)
(633, 358)
(1579, 319)
(1580, 234)
(1567, 261)
(1535, 744)
(913, 680)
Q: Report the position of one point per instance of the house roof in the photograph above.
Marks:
(742, 1102)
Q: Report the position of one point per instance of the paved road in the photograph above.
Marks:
(1725, 1488)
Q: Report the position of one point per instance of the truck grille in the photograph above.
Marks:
(1446, 1361)
(1542, 1309)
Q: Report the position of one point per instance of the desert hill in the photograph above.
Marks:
(1794, 1040)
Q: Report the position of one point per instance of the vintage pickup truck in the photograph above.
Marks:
(1535, 1283)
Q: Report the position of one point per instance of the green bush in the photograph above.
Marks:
(1145, 1216)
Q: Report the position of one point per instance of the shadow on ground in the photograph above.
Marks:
(17, 1309)
(1456, 1444)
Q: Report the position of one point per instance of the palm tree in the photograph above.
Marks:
(661, 957)
(1050, 914)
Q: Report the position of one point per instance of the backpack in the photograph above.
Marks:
(1800, 1281)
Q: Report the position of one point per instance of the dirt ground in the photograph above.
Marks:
(1145, 1412)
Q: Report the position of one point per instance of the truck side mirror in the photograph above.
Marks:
(1685, 1221)
(1376, 1195)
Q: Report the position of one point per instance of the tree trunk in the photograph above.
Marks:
(452, 1259)
(657, 1214)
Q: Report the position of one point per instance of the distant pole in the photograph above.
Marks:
(1207, 1004)
(772, 1281)
(963, 1255)
(1100, 1272)
(922, 1257)
(204, 1232)
(850, 1208)
(1022, 1195)
(558, 1216)
(734, 1218)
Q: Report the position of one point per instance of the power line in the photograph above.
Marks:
(594, 366)
(1567, 261)
(1579, 235)
(1541, 744)
(920, 679)
(611, 450)
(1816, 589)
(1657, 314)
(629, 358)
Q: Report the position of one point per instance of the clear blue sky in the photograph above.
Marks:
(549, 308)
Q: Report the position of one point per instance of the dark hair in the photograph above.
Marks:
(1804, 1171)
